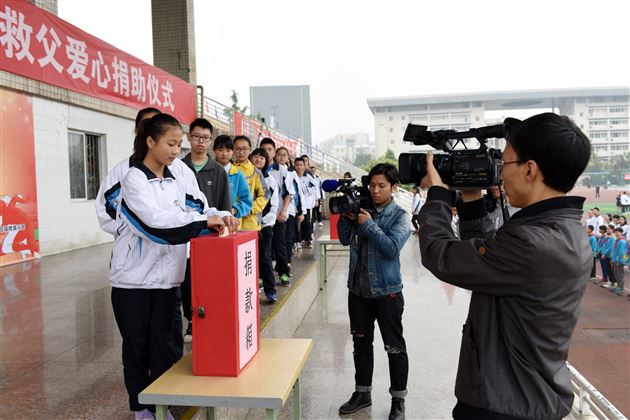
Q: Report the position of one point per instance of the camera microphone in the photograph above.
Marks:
(330, 185)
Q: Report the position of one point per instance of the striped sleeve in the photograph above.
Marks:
(166, 226)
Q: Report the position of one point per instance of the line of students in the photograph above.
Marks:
(153, 204)
(611, 249)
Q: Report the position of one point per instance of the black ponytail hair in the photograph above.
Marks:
(153, 127)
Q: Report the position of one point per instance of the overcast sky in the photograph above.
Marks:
(348, 51)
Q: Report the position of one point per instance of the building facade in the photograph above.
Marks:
(285, 108)
(348, 146)
(602, 113)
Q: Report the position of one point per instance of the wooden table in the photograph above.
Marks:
(265, 383)
(327, 246)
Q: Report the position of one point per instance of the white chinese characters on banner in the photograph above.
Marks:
(247, 261)
(33, 43)
(17, 35)
(77, 53)
(50, 46)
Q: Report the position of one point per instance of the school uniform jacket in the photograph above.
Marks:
(270, 211)
(257, 189)
(108, 197)
(157, 218)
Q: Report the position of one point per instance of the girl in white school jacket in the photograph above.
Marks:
(159, 213)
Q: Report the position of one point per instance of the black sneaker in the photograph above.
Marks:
(397, 411)
(357, 401)
(188, 335)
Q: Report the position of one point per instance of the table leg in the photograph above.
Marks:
(297, 401)
(160, 412)
(322, 265)
(210, 413)
(272, 414)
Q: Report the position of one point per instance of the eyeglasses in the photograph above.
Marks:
(241, 149)
(198, 138)
(502, 163)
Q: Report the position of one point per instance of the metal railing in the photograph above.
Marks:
(223, 117)
(590, 400)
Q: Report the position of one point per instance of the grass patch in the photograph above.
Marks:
(603, 208)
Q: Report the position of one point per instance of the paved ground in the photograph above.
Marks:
(60, 347)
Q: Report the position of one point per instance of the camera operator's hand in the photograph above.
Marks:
(432, 178)
(350, 216)
(231, 223)
(364, 216)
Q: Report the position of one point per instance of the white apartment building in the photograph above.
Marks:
(348, 146)
(601, 112)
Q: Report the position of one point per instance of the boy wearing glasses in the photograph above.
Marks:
(213, 183)
(211, 177)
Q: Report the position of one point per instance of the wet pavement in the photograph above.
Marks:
(61, 357)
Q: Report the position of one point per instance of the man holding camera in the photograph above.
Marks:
(375, 289)
(527, 278)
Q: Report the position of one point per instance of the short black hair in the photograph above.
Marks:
(602, 228)
(590, 227)
(243, 138)
(596, 208)
(201, 122)
(556, 144)
(223, 141)
(267, 140)
(299, 159)
(144, 111)
(618, 229)
(261, 152)
(387, 169)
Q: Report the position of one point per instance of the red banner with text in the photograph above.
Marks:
(39, 45)
(255, 130)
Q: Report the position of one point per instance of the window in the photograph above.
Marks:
(618, 109)
(619, 134)
(603, 148)
(391, 118)
(84, 153)
(594, 123)
(619, 122)
(391, 129)
(621, 146)
(402, 117)
(391, 141)
(599, 135)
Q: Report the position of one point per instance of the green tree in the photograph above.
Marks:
(361, 159)
(388, 157)
(235, 106)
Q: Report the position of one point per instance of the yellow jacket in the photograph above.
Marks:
(259, 196)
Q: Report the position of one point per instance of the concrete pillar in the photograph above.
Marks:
(174, 38)
(48, 5)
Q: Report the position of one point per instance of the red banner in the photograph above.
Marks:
(255, 130)
(38, 45)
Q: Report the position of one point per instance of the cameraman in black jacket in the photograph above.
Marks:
(527, 278)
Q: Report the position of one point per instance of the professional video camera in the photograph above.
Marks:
(353, 199)
(459, 168)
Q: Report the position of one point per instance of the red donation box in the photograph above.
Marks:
(334, 218)
(226, 316)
